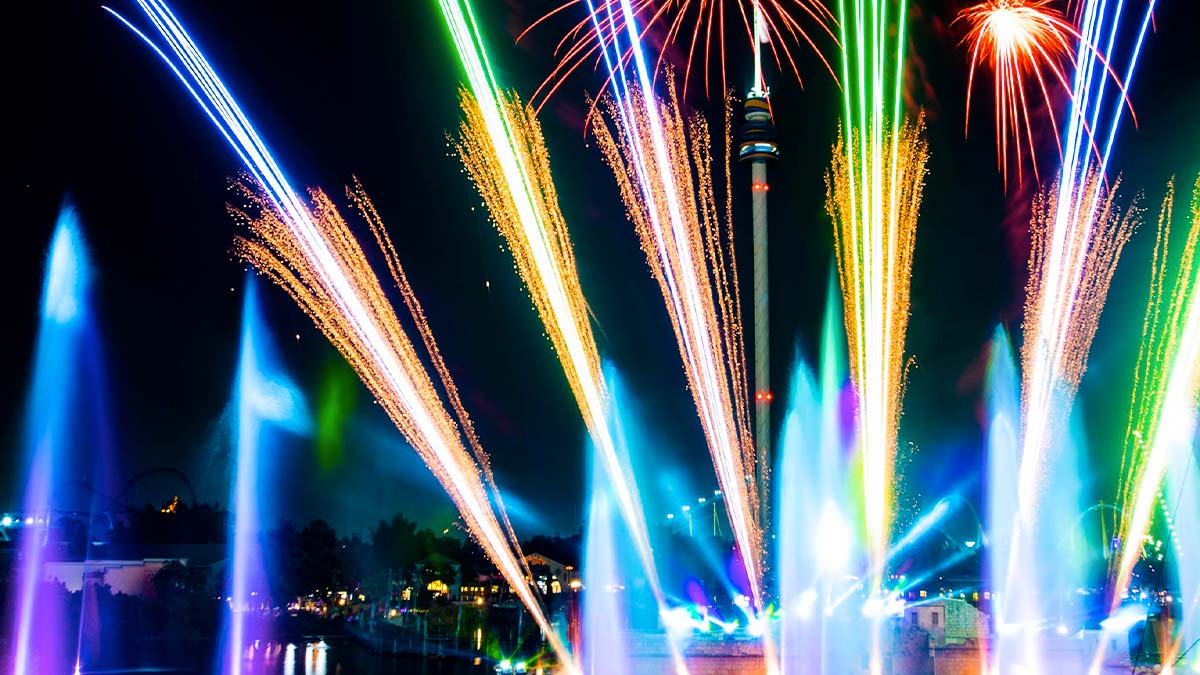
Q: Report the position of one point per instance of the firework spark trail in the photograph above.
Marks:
(1094, 250)
(1018, 39)
(664, 170)
(1171, 289)
(1076, 252)
(874, 191)
(874, 263)
(311, 253)
(502, 148)
(874, 194)
(439, 437)
(1079, 234)
(1163, 407)
(695, 25)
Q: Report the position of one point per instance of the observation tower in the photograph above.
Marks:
(757, 148)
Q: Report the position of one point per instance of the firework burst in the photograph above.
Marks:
(1027, 45)
(699, 28)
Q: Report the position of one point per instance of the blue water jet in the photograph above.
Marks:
(263, 398)
(39, 640)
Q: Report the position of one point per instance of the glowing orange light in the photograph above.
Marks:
(1018, 40)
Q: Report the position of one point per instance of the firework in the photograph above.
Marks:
(874, 191)
(696, 26)
(663, 167)
(388, 363)
(1026, 44)
(1078, 237)
(874, 254)
(308, 249)
(501, 146)
(1162, 415)
(1094, 249)
(875, 186)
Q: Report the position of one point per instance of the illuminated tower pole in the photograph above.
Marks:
(757, 148)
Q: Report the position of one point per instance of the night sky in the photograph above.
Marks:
(368, 88)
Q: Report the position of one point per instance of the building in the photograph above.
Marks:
(948, 621)
(550, 576)
(126, 577)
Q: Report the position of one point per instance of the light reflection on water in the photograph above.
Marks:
(319, 657)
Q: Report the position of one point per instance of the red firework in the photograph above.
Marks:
(698, 26)
(1028, 45)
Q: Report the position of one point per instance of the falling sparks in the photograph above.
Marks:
(1026, 44)
(1162, 417)
(669, 196)
(501, 145)
(308, 249)
(696, 26)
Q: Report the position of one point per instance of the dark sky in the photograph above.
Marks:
(368, 88)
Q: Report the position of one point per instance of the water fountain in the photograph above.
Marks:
(603, 648)
(41, 629)
(817, 547)
(264, 400)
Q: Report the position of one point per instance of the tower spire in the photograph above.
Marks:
(760, 35)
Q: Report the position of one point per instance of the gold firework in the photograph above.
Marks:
(875, 227)
(688, 242)
(1054, 354)
(511, 170)
(474, 146)
(387, 362)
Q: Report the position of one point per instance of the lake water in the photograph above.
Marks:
(345, 657)
(336, 657)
